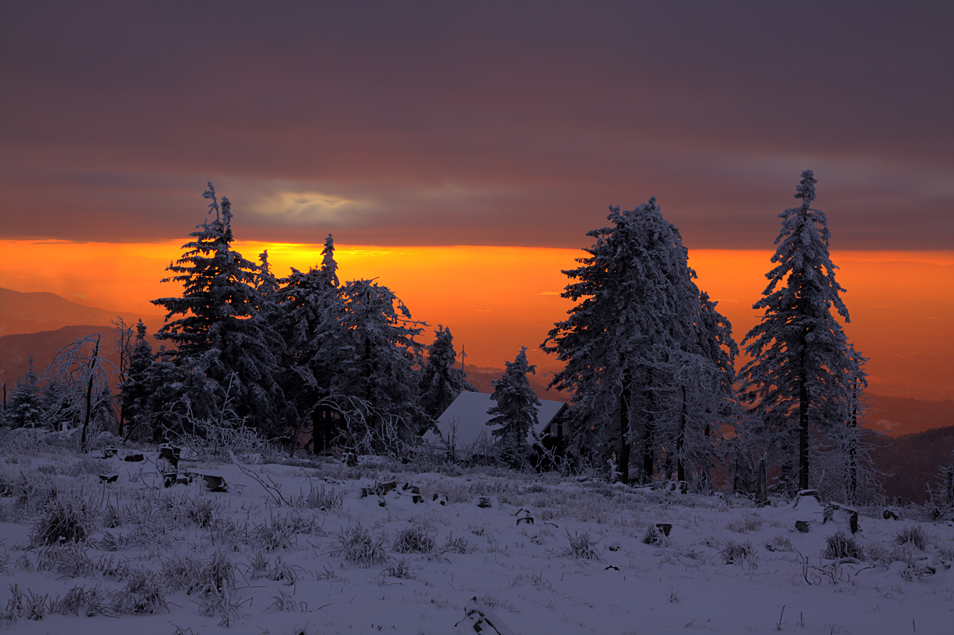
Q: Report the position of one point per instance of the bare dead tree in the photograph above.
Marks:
(81, 381)
(123, 338)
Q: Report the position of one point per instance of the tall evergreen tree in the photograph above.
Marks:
(219, 332)
(635, 321)
(311, 324)
(802, 369)
(515, 411)
(135, 391)
(442, 381)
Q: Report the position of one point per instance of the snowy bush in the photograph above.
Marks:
(914, 535)
(458, 545)
(582, 546)
(66, 519)
(82, 601)
(654, 535)
(360, 548)
(735, 552)
(321, 497)
(143, 594)
(399, 568)
(416, 539)
(25, 497)
(67, 559)
(839, 545)
(280, 532)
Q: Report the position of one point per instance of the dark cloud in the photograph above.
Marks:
(476, 123)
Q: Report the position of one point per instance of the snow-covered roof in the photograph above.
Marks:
(464, 424)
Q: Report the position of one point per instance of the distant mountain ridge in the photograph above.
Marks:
(41, 311)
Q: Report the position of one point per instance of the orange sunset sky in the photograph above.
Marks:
(459, 152)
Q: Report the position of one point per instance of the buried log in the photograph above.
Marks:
(480, 619)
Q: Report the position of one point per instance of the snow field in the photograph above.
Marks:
(291, 549)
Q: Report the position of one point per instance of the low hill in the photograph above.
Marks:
(15, 350)
(913, 462)
(896, 416)
(40, 311)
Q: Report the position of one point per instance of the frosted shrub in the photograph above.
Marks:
(459, 545)
(81, 601)
(67, 559)
(29, 606)
(915, 536)
(736, 553)
(321, 497)
(143, 594)
(358, 547)
(281, 532)
(414, 539)
(65, 519)
(655, 536)
(200, 511)
(582, 546)
(27, 496)
(840, 545)
(283, 572)
(400, 568)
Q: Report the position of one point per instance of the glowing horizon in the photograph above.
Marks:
(496, 299)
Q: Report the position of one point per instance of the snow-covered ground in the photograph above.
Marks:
(297, 549)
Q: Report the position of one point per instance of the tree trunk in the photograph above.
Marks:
(853, 450)
(624, 414)
(803, 404)
(649, 432)
(681, 439)
(89, 393)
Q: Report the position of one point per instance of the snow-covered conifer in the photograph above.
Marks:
(442, 381)
(515, 411)
(311, 324)
(25, 408)
(802, 369)
(216, 326)
(135, 391)
(638, 320)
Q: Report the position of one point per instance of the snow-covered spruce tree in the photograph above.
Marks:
(515, 411)
(219, 332)
(311, 323)
(802, 370)
(377, 386)
(442, 381)
(637, 321)
(25, 408)
(135, 391)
